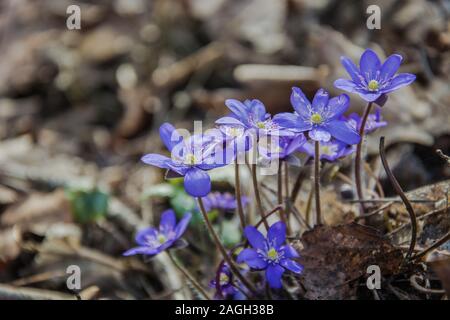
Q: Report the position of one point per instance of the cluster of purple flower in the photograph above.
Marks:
(320, 122)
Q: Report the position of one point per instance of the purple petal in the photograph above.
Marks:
(338, 105)
(319, 134)
(320, 100)
(401, 80)
(346, 85)
(251, 258)
(168, 221)
(169, 135)
(255, 237)
(295, 144)
(369, 64)
(197, 182)
(289, 251)
(180, 169)
(368, 96)
(291, 121)
(141, 250)
(300, 103)
(141, 236)
(292, 265)
(258, 110)
(229, 121)
(182, 225)
(273, 275)
(277, 234)
(342, 131)
(238, 108)
(390, 67)
(351, 68)
(156, 160)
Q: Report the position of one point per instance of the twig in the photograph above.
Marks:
(317, 182)
(401, 194)
(418, 287)
(431, 213)
(238, 194)
(257, 195)
(435, 245)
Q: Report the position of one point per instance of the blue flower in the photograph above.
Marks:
(225, 288)
(373, 79)
(251, 115)
(282, 148)
(331, 150)
(374, 121)
(190, 158)
(321, 118)
(270, 254)
(152, 241)
(222, 201)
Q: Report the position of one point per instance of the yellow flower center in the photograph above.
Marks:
(316, 118)
(190, 159)
(224, 279)
(272, 254)
(235, 132)
(261, 125)
(325, 150)
(161, 239)
(373, 85)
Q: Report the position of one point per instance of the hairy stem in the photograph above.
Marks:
(358, 157)
(189, 276)
(222, 249)
(286, 196)
(238, 194)
(317, 181)
(258, 196)
(280, 191)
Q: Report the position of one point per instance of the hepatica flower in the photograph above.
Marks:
(281, 147)
(374, 121)
(270, 254)
(373, 79)
(321, 118)
(331, 150)
(190, 158)
(225, 287)
(251, 115)
(222, 201)
(152, 241)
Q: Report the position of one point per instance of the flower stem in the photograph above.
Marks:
(317, 181)
(222, 249)
(358, 157)
(238, 194)
(189, 276)
(280, 191)
(258, 196)
(286, 196)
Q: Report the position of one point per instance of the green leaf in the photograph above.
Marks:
(87, 205)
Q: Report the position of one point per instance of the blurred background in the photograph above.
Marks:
(78, 108)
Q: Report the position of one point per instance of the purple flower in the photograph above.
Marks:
(321, 118)
(331, 150)
(270, 254)
(282, 148)
(374, 121)
(222, 201)
(373, 79)
(250, 115)
(225, 288)
(152, 241)
(190, 158)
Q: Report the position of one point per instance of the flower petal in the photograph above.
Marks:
(319, 134)
(320, 100)
(292, 265)
(401, 80)
(169, 136)
(291, 121)
(258, 110)
(296, 143)
(351, 68)
(277, 234)
(142, 235)
(156, 160)
(229, 121)
(141, 250)
(369, 64)
(346, 85)
(338, 105)
(251, 258)
(168, 221)
(182, 225)
(255, 238)
(369, 96)
(197, 182)
(289, 251)
(300, 103)
(390, 67)
(342, 131)
(238, 108)
(273, 275)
